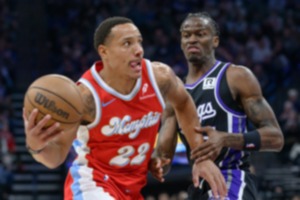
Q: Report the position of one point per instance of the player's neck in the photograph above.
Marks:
(197, 70)
(120, 83)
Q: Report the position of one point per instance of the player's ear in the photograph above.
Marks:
(216, 41)
(102, 51)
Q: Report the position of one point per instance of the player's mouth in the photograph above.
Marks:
(136, 66)
(193, 49)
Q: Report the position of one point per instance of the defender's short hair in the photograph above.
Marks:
(105, 27)
(204, 15)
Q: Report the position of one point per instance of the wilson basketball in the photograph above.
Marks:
(56, 95)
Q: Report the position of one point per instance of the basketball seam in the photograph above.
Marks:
(32, 104)
(59, 97)
(67, 79)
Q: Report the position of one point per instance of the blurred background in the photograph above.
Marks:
(39, 37)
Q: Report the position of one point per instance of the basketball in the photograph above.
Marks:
(56, 95)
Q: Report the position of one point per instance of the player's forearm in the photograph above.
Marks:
(167, 140)
(270, 139)
(51, 156)
(262, 116)
(234, 141)
(188, 120)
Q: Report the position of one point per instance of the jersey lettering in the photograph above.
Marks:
(127, 126)
(206, 111)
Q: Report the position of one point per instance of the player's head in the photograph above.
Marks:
(103, 30)
(199, 37)
(119, 42)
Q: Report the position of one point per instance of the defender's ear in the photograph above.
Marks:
(216, 41)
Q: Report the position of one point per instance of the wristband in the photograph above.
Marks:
(34, 152)
(251, 141)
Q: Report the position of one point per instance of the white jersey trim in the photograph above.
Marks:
(200, 80)
(111, 90)
(154, 83)
(97, 102)
(241, 192)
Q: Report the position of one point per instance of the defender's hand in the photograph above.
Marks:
(211, 148)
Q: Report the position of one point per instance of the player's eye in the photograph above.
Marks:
(127, 43)
(185, 35)
(201, 34)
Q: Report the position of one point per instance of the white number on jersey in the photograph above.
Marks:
(125, 152)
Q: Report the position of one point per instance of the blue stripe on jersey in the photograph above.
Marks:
(237, 128)
(235, 180)
(74, 171)
(236, 125)
(77, 193)
(231, 159)
(235, 187)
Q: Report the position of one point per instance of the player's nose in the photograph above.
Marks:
(138, 51)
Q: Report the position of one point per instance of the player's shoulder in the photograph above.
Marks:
(164, 75)
(161, 70)
(159, 66)
(238, 72)
(240, 78)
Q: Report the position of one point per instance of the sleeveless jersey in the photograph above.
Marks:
(216, 107)
(113, 152)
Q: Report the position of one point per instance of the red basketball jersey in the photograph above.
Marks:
(113, 152)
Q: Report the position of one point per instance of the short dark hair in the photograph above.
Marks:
(105, 27)
(204, 15)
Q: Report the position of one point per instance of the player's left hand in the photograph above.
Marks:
(155, 167)
(211, 148)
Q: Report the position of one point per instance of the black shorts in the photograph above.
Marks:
(241, 185)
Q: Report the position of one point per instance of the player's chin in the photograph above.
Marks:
(194, 58)
(136, 75)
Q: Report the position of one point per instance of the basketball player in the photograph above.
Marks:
(124, 96)
(226, 96)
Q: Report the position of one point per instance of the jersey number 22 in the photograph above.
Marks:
(126, 152)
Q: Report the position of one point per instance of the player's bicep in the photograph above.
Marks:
(254, 104)
(171, 86)
(176, 93)
(259, 111)
(89, 110)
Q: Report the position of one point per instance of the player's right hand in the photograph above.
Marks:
(37, 137)
(212, 174)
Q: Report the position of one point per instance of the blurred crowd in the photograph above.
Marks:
(7, 61)
(262, 35)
